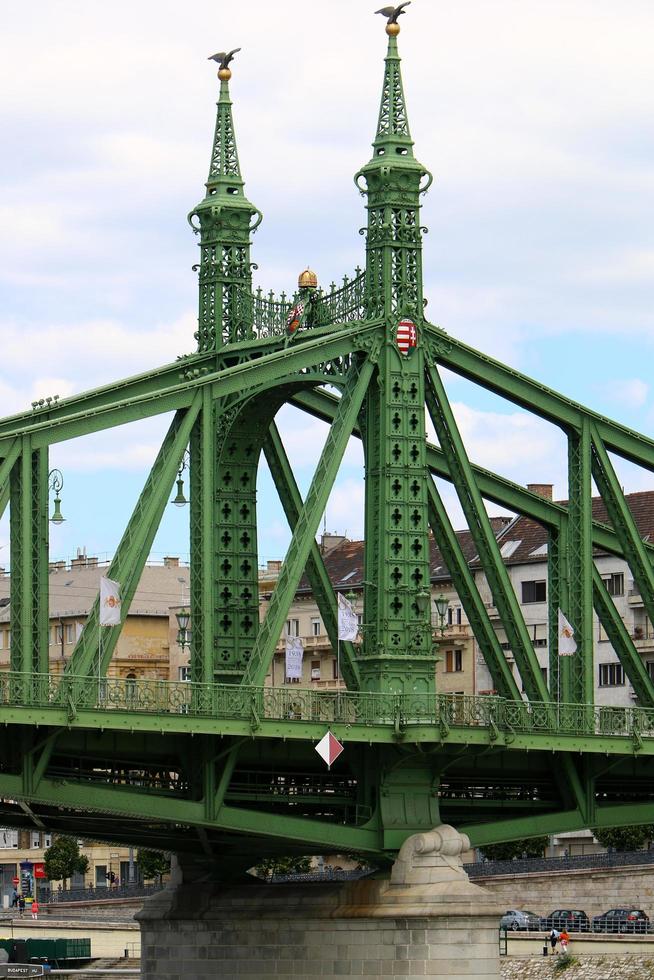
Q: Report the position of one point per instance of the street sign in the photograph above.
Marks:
(329, 748)
(21, 970)
(15, 880)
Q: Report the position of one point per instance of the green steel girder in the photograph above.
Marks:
(492, 487)
(74, 418)
(488, 550)
(618, 815)
(134, 803)
(201, 531)
(309, 519)
(621, 642)
(29, 559)
(94, 649)
(468, 593)
(539, 399)
(576, 587)
(633, 547)
(319, 580)
(5, 474)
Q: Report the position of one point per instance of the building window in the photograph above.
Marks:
(453, 661)
(315, 627)
(35, 840)
(611, 675)
(315, 670)
(8, 639)
(183, 673)
(534, 591)
(8, 838)
(543, 671)
(650, 668)
(335, 673)
(59, 634)
(614, 583)
(292, 627)
(70, 634)
(291, 680)
(47, 840)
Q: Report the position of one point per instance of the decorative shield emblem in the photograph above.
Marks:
(406, 337)
(294, 317)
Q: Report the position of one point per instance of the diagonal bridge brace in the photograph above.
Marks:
(308, 520)
(319, 580)
(131, 555)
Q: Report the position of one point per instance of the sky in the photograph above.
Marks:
(535, 119)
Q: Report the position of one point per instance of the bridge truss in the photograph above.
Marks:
(225, 766)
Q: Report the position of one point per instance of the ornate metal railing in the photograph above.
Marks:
(575, 862)
(345, 303)
(253, 704)
(341, 304)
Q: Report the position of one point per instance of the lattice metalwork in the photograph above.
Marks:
(87, 742)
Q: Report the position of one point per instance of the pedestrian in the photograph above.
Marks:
(35, 909)
(554, 938)
(14, 899)
(565, 939)
(21, 905)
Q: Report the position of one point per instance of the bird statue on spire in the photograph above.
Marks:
(392, 13)
(224, 58)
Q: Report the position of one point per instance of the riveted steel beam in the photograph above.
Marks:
(538, 398)
(493, 487)
(319, 580)
(94, 649)
(308, 520)
(475, 610)
(493, 566)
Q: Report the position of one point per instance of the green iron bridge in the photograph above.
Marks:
(225, 767)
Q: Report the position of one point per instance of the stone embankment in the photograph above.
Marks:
(630, 967)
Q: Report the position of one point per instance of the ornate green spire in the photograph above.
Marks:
(393, 187)
(398, 652)
(393, 124)
(224, 222)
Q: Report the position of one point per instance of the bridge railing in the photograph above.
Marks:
(341, 304)
(230, 701)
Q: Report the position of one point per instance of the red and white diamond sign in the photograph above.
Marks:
(329, 748)
(406, 336)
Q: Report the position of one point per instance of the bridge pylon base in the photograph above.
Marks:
(426, 920)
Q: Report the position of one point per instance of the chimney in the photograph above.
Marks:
(542, 489)
(274, 566)
(171, 561)
(330, 541)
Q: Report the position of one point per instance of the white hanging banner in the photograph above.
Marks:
(567, 645)
(294, 655)
(348, 624)
(109, 602)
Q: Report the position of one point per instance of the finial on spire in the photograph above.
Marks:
(224, 58)
(392, 13)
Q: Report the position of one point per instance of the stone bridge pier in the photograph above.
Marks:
(426, 919)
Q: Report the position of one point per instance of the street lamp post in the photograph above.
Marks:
(56, 483)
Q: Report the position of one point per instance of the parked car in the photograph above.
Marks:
(621, 920)
(574, 920)
(516, 919)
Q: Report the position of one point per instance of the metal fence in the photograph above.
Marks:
(239, 702)
(102, 893)
(523, 866)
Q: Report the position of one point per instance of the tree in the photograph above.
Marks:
(62, 859)
(624, 838)
(295, 865)
(531, 847)
(152, 864)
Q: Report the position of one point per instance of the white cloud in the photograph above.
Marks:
(633, 392)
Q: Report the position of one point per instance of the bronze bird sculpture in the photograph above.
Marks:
(392, 13)
(223, 57)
